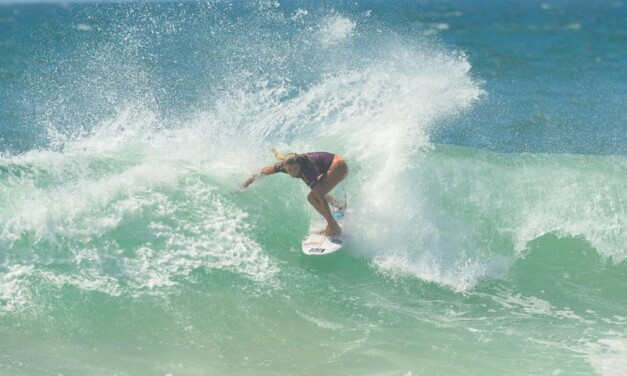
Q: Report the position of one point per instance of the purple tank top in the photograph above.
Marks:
(321, 162)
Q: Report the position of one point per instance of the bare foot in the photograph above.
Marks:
(332, 231)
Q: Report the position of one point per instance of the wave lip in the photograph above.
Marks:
(458, 215)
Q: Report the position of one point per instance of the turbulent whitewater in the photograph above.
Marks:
(486, 188)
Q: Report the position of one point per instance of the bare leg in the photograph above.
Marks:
(333, 228)
(337, 172)
(315, 203)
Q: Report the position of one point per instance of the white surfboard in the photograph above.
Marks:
(315, 244)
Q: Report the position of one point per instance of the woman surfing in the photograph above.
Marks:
(321, 171)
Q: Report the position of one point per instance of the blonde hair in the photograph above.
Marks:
(277, 155)
(292, 158)
(289, 158)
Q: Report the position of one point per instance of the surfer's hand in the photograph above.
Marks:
(251, 179)
(248, 182)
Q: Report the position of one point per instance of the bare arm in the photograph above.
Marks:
(267, 170)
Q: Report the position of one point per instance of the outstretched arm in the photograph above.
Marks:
(267, 170)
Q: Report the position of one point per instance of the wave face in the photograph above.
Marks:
(127, 247)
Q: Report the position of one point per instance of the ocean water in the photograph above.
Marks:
(487, 189)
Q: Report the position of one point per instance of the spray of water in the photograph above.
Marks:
(139, 193)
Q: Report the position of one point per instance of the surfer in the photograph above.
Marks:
(321, 171)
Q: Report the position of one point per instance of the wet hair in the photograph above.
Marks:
(302, 159)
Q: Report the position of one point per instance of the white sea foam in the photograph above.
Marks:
(300, 13)
(389, 124)
(83, 27)
(14, 292)
(461, 276)
(323, 324)
(121, 177)
(608, 356)
(574, 26)
(337, 28)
